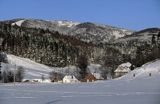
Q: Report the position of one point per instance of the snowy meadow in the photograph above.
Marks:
(121, 91)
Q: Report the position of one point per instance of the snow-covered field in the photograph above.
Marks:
(142, 88)
(141, 91)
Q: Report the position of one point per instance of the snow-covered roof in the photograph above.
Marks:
(123, 68)
(97, 75)
(127, 64)
(70, 77)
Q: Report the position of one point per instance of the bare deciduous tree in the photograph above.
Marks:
(19, 75)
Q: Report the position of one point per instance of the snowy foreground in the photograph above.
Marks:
(141, 91)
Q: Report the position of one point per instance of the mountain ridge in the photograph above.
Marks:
(87, 31)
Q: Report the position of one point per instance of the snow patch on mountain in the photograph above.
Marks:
(117, 34)
(18, 23)
(66, 23)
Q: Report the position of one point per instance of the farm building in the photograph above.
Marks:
(70, 79)
(89, 78)
(122, 69)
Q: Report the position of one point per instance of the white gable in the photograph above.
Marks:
(97, 75)
(70, 79)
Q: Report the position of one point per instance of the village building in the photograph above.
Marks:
(89, 78)
(122, 69)
(97, 75)
(70, 79)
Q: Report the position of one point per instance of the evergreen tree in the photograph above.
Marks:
(82, 64)
(158, 35)
(153, 39)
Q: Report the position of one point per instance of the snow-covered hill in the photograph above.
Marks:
(145, 71)
(34, 70)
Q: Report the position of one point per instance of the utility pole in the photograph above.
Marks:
(14, 74)
(0, 71)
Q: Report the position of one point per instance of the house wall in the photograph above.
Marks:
(119, 74)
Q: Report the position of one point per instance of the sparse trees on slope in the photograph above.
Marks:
(8, 75)
(4, 77)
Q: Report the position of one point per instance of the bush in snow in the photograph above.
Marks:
(55, 77)
(42, 77)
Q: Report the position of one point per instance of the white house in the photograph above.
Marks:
(123, 69)
(98, 76)
(70, 79)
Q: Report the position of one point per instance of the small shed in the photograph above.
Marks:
(70, 79)
(89, 78)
